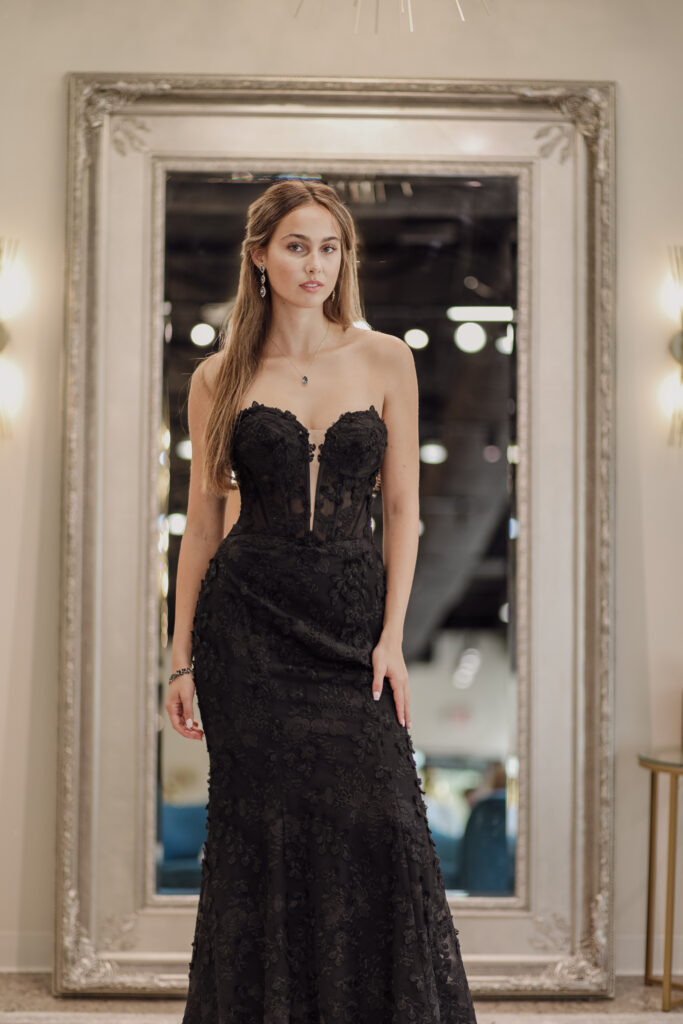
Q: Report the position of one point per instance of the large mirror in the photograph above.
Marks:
(438, 267)
(485, 217)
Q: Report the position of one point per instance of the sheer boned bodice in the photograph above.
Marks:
(309, 485)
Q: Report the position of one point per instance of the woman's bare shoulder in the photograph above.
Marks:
(387, 350)
(205, 374)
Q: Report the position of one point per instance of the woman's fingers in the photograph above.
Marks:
(399, 684)
(179, 707)
(401, 699)
(379, 667)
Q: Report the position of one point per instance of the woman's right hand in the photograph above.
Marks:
(179, 706)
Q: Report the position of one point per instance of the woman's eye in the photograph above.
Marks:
(293, 245)
(330, 248)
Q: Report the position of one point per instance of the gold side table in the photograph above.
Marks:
(662, 762)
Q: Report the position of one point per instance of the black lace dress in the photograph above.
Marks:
(322, 899)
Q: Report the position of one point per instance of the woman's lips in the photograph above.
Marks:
(311, 286)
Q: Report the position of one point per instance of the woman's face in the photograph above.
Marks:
(303, 257)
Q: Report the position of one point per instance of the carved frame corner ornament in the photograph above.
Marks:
(109, 118)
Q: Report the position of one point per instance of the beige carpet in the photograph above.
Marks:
(483, 1017)
(28, 999)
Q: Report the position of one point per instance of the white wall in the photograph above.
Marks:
(637, 43)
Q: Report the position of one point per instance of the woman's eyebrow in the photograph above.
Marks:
(330, 238)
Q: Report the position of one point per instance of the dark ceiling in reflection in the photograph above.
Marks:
(426, 244)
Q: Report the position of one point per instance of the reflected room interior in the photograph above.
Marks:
(438, 268)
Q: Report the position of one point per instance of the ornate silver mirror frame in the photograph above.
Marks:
(114, 932)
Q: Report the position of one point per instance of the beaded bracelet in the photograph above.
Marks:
(181, 672)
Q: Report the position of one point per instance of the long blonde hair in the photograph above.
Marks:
(245, 328)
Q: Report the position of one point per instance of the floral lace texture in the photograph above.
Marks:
(322, 899)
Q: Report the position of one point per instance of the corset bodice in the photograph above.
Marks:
(292, 487)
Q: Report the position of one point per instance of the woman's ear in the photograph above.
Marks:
(257, 257)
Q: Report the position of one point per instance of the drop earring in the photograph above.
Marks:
(262, 289)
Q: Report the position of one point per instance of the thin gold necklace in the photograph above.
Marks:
(304, 378)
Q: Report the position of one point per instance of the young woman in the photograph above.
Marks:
(322, 898)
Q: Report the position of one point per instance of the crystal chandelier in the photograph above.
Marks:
(405, 10)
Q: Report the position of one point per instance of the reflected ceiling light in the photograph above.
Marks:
(506, 342)
(471, 658)
(482, 314)
(468, 666)
(471, 282)
(416, 338)
(462, 680)
(504, 612)
(470, 337)
(512, 766)
(492, 453)
(420, 527)
(433, 453)
(513, 453)
(176, 523)
(513, 528)
(184, 449)
(202, 335)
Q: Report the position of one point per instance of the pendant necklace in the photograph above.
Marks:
(304, 378)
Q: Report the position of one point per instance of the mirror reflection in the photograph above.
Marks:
(438, 267)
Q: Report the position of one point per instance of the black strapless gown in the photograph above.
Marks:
(322, 899)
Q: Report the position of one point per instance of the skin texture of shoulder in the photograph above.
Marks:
(391, 360)
(207, 371)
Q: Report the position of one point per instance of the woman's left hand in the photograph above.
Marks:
(387, 660)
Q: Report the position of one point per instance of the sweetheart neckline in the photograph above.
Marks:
(295, 419)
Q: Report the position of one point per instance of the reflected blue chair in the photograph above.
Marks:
(488, 857)
(448, 852)
(182, 833)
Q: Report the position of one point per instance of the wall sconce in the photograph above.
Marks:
(676, 346)
(13, 296)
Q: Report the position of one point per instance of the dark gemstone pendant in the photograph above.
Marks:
(304, 380)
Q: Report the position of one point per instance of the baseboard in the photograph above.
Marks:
(26, 952)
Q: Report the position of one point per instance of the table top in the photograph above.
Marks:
(665, 759)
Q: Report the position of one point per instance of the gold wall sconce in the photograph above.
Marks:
(676, 346)
(14, 290)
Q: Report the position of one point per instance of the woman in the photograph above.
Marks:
(322, 899)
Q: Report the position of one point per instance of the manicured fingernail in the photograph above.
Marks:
(403, 721)
(189, 723)
(375, 696)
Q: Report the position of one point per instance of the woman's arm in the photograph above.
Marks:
(400, 513)
(203, 533)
